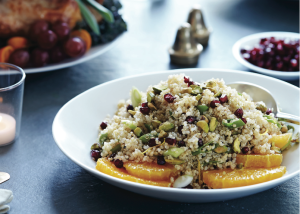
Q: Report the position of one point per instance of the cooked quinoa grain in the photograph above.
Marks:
(175, 102)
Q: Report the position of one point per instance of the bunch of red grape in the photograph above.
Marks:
(274, 54)
(48, 43)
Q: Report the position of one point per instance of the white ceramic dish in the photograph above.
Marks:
(92, 53)
(251, 40)
(75, 129)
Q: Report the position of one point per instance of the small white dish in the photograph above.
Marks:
(75, 129)
(251, 40)
(90, 54)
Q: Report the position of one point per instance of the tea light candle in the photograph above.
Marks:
(7, 128)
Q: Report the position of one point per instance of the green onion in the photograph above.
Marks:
(88, 17)
(105, 13)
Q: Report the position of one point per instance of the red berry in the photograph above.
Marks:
(170, 141)
(130, 107)
(269, 111)
(213, 103)
(152, 142)
(200, 142)
(181, 143)
(145, 104)
(190, 119)
(161, 160)
(245, 150)
(239, 113)
(95, 155)
(169, 98)
(145, 110)
(118, 163)
(223, 98)
(103, 125)
(244, 120)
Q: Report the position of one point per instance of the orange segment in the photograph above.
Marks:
(107, 167)
(150, 171)
(5, 53)
(282, 141)
(18, 42)
(244, 177)
(257, 161)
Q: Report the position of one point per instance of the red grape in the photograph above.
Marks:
(39, 57)
(74, 47)
(36, 28)
(57, 54)
(62, 30)
(20, 58)
(47, 39)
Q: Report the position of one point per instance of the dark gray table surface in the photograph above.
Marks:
(44, 180)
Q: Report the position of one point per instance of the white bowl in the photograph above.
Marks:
(251, 40)
(75, 129)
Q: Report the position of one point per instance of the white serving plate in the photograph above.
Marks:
(90, 54)
(75, 129)
(251, 40)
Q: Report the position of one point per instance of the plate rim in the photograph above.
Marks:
(56, 66)
(264, 185)
(236, 53)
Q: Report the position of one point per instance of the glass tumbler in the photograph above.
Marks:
(11, 100)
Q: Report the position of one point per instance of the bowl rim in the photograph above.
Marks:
(168, 189)
(238, 45)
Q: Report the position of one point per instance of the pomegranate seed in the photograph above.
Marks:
(171, 141)
(263, 40)
(130, 107)
(145, 110)
(247, 56)
(239, 113)
(213, 103)
(245, 150)
(103, 125)
(200, 142)
(95, 155)
(152, 142)
(113, 155)
(269, 111)
(244, 120)
(223, 98)
(293, 63)
(169, 98)
(145, 104)
(186, 79)
(181, 143)
(118, 163)
(161, 160)
(180, 129)
(243, 51)
(190, 119)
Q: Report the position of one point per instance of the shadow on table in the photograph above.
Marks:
(73, 190)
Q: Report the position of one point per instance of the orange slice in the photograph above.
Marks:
(228, 178)
(107, 167)
(257, 161)
(282, 141)
(150, 171)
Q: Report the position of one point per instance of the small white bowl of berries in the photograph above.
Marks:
(272, 53)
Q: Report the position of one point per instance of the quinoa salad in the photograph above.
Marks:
(188, 125)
